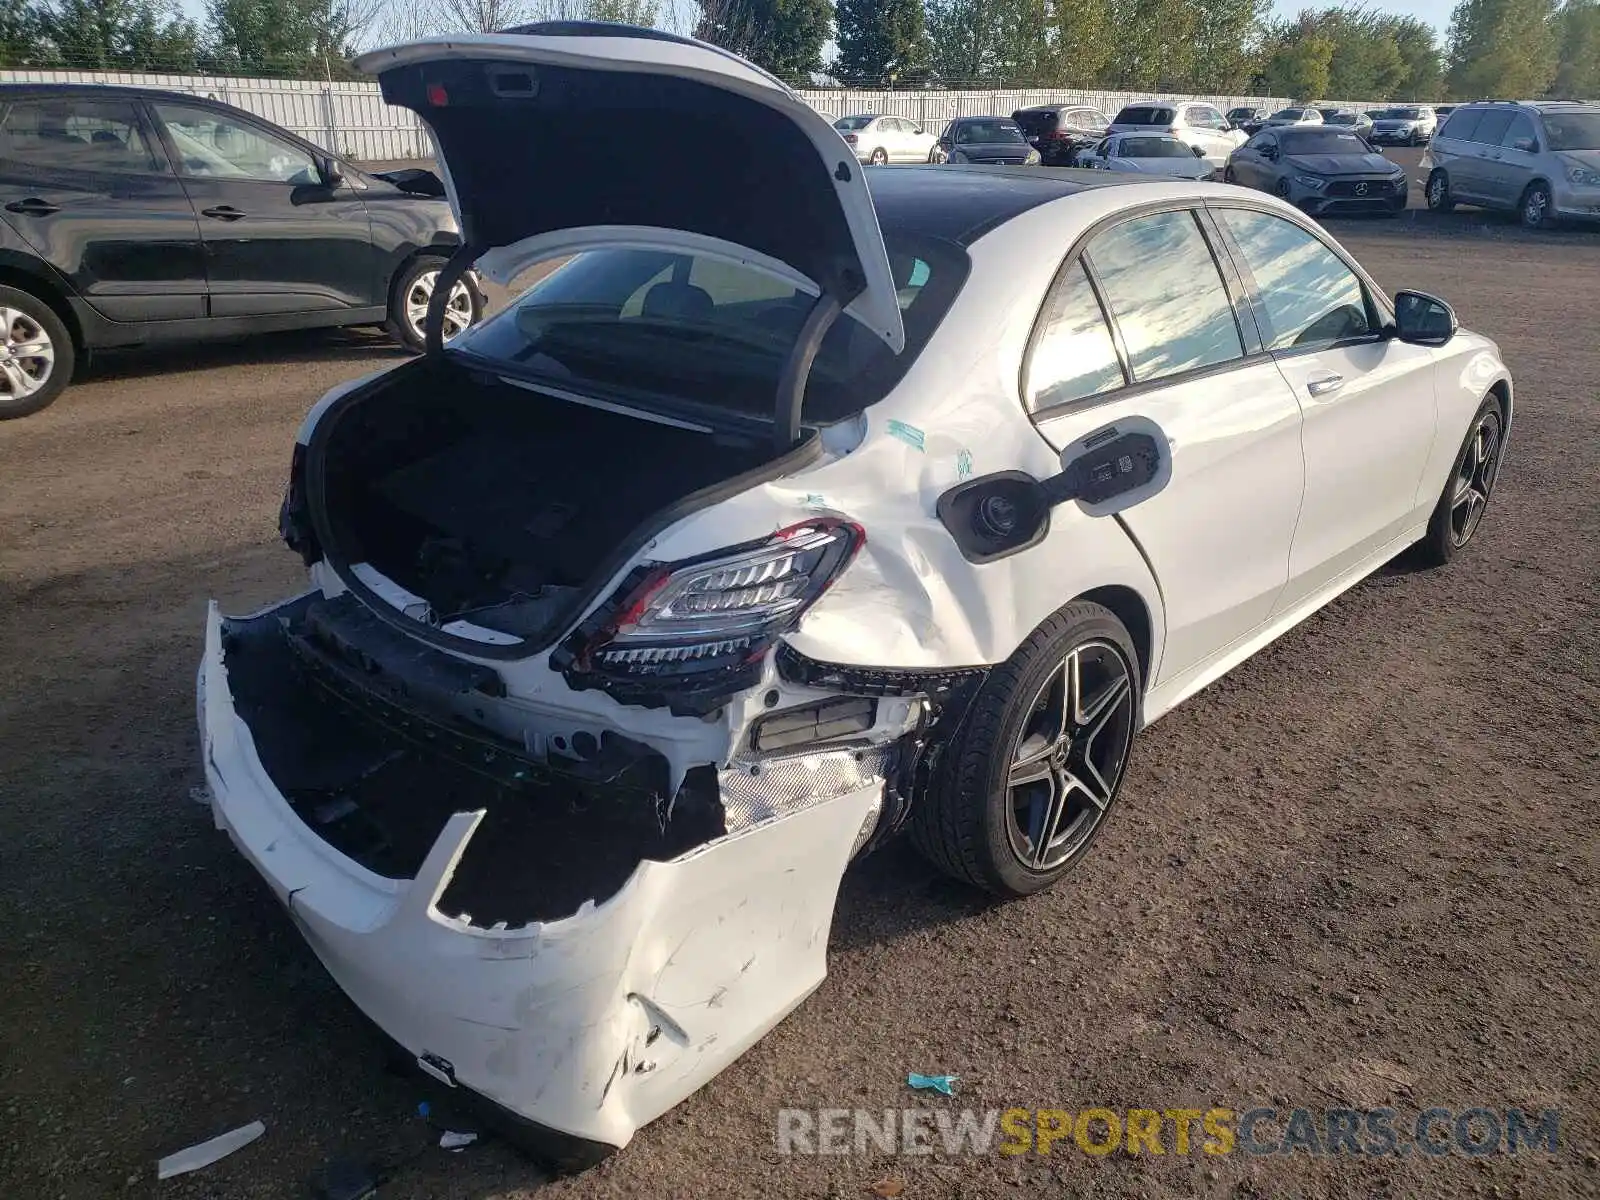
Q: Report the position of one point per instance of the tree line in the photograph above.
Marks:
(1493, 48)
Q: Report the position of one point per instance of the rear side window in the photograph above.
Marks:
(1310, 296)
(1492, 128)
(1463, 124)
(1145, 114)
(1166, 295)
(69, 133)
(1074, 356)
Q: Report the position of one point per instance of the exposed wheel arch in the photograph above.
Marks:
(1129, 608)
(48, 292)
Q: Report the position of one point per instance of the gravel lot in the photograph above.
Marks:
(1359, 871)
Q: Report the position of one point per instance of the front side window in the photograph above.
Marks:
(75, 134)
(1074, 356)
(700, 329)
(1521, 128)
(1166, 295)
(214, 145)
(1309, 294)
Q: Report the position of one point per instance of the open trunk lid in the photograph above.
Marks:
(567, 125)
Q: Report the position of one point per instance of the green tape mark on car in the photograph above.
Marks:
(909, 434)
(963, 464)
(813, 500)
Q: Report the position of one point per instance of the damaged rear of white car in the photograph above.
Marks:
(642, 608)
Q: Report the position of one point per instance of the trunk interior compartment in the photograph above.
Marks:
(372, 762)
(504, 506)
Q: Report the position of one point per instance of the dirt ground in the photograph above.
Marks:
(1359, 871)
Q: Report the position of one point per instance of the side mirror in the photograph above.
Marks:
(332, 176)
(1110, 470)
(917, 131)
(1270, 153)
(1526, 145)
(1423, 320)
(1199, 151)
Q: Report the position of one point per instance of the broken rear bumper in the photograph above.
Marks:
(586, 1026)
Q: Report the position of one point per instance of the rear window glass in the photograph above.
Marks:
(851, 123)
(1144, 114)
(1154, 148)
(979, 133)
(696, 329)
(1287, 114)
(1037, 122)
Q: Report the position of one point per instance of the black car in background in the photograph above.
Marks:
(1239, 118)
(130, 216)
(992, 140)
(1059, 131)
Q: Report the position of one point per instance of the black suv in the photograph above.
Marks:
(1059, 131)
(129, 216)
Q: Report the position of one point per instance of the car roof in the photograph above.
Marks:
(97, 89)
(962, 203)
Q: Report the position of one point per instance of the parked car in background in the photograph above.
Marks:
(1321, 170)
(879, 140)
(728, 551)
(1146, 154)
(1059, 131)
(994, 140)
(1441, 111)
(1347, 118)
(1407, 125)
(1540, 159)
(131, 216)
(1238, 118)
(1286, 117)
(1193, 123)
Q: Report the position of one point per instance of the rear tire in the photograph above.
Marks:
(878, 158)
(36, 354)
(1459, 512)
(409, 296)
(1026, 785)
(1438, 192)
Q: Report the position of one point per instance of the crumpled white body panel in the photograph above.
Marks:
(591, 1025)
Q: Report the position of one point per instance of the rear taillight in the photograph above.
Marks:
(690, 619)
(851, 138)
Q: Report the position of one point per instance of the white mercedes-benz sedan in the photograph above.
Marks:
(780, 516)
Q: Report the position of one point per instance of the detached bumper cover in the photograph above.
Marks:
(588, 1026)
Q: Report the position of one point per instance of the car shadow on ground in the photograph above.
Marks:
(294, 346)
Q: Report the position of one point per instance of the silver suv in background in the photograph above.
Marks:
(1200, 126)
(1408, 125)
(1537, 158)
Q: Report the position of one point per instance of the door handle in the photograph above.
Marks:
(1325, 383)
(33, 207)
(223, 212)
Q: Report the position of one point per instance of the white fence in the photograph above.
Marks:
(352, 119)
